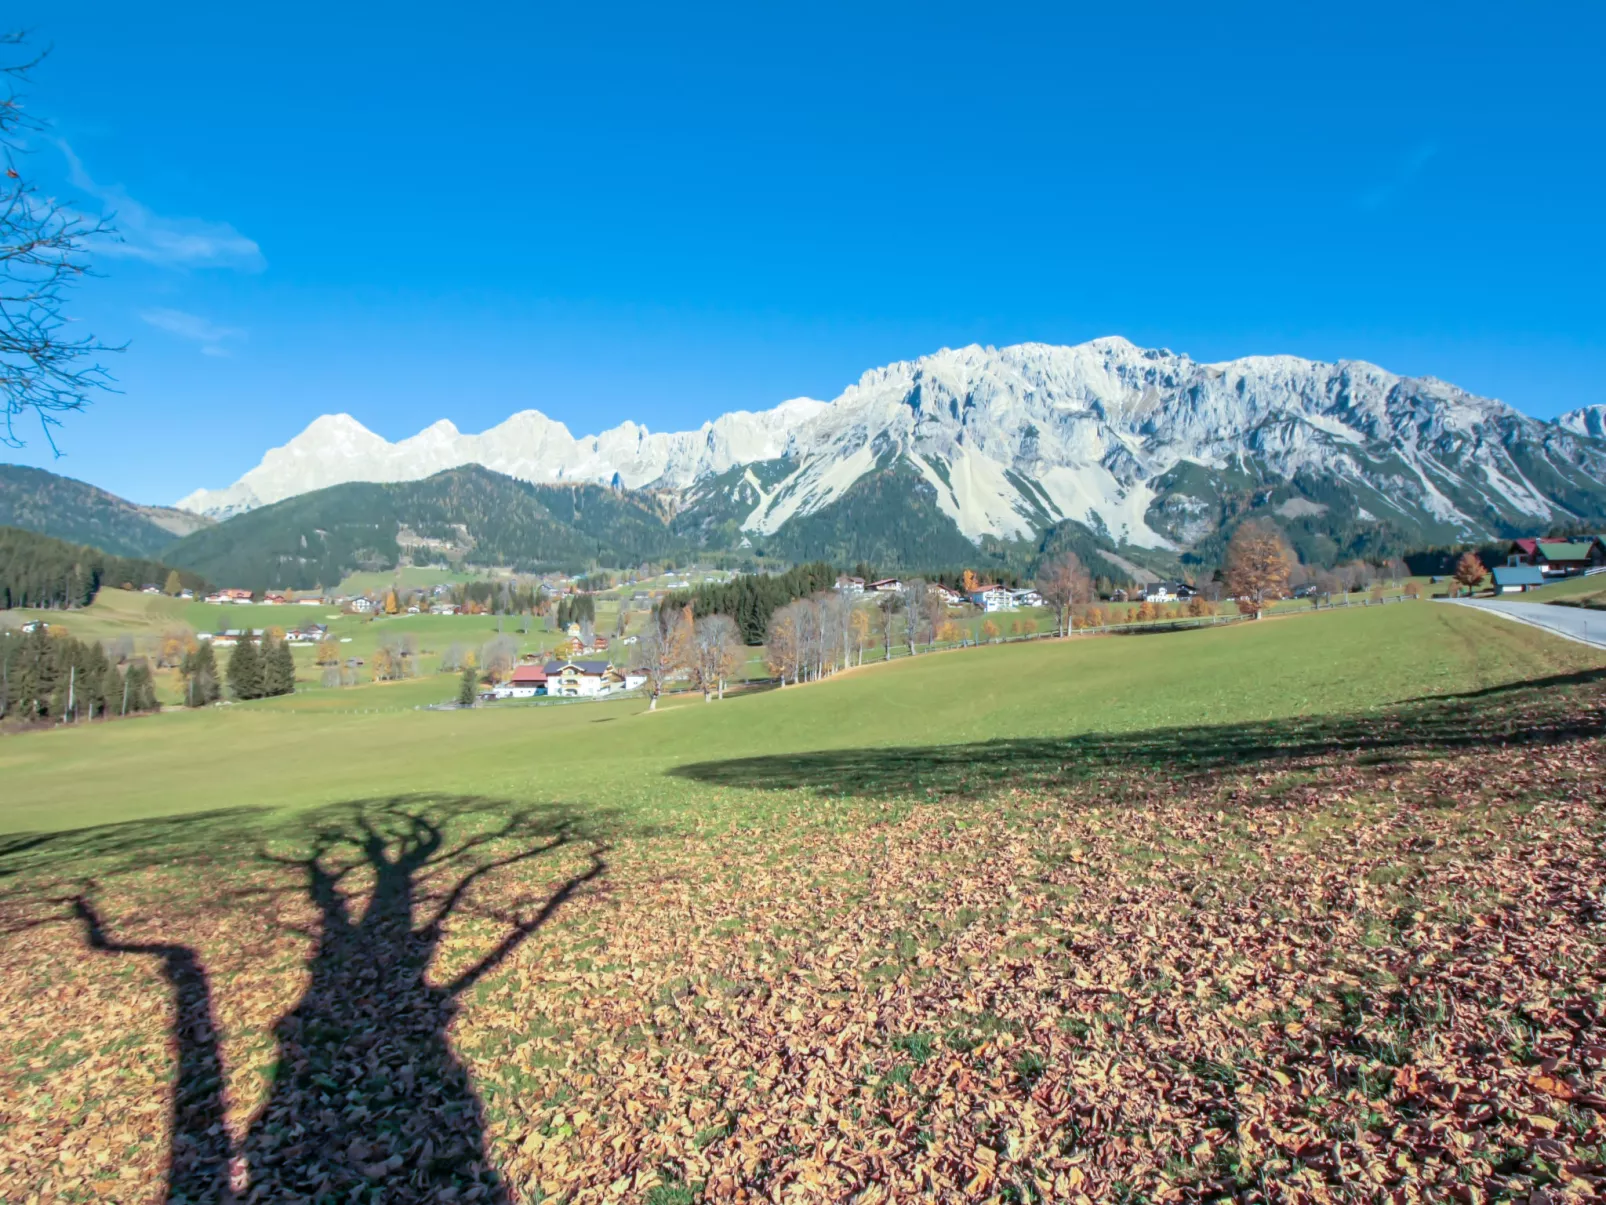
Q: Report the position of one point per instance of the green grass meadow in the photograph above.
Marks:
(317, 748)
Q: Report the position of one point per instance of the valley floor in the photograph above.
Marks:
(1310, 909)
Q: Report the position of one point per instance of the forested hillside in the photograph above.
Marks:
(38, 571)
(52, 505)
(468, 515)
(887, 517)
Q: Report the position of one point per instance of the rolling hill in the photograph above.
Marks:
(468, 514)
(52, 505)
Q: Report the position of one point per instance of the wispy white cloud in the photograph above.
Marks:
(1412, 166)
(171, 242)
(212, 338)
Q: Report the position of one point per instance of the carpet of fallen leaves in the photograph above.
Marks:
(1330, 977)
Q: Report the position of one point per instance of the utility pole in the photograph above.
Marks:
(125, 693)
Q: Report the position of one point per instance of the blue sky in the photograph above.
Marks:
(666, 212)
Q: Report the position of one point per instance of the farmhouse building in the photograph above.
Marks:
(527, 682)
(576, 679)
(1517, 579)
(1558, 558)
(992, 597)
(1161, 592)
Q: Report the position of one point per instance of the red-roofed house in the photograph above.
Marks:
(1522, 552)
(527, 682)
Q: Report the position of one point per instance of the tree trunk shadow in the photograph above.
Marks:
(198, 1142)
(368, 1102)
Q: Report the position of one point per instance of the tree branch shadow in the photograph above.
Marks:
(368, 1099)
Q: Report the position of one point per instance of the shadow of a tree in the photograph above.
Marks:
(1537, 712)
(368, 1100)
(368, 1094)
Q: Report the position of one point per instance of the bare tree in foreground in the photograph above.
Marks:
(44, 249)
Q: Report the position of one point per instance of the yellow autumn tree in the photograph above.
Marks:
(989, 630)
(1258, 562)
(391, 605)
(859, 630)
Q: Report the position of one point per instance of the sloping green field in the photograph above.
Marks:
(307, 750)
(1301, 910)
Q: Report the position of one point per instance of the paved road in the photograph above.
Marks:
(1574, 623)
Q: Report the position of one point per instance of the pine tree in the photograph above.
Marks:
(200, 676)
(268, 667)
(465, 687)
(34, 678)
(279, 670)
(142, 688)
(100, 683)
(245, 669)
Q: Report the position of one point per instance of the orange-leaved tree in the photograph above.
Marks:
(1257, 567)
(1469, 571)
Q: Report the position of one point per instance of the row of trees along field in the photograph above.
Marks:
(38, 571)
(48, 676)
(675, 641)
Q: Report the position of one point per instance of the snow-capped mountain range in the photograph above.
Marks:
(1140, 445)
(1591, 420)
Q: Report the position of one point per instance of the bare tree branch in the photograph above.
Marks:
(44, 251)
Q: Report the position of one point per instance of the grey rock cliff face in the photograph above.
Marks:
(1105, 432)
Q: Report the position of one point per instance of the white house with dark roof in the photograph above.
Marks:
(576, 679)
